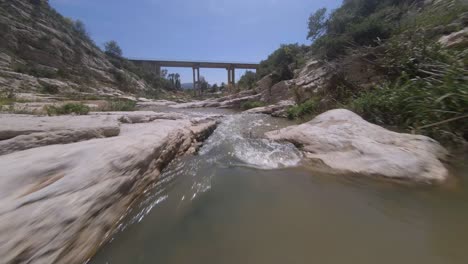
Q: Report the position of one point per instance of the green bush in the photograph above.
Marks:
(251, 104)
(66, 109)
(50, 89)
(298, 111)
(438, 109)
(120, 105)
(282, 62)
(247, 81)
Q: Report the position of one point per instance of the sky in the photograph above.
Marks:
(207, 30)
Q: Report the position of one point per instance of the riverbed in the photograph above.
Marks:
(243, 199)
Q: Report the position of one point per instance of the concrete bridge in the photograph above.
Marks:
(156, 65)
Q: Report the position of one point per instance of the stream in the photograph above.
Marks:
(244, 199)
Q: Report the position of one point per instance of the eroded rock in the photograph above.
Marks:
(345, 143)
(59, 202)
(456, 39)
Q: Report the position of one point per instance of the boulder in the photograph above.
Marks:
(278, 92)
(456, 39)
(265, 83)
(59, 203)
(344, 143)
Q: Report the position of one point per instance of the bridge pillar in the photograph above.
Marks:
(157, 70)
(231, 78)
(196, 80)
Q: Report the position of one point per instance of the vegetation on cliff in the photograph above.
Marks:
(387, 64)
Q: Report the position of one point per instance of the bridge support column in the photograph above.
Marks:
(157, 70)
(196, 81)
(231, 78)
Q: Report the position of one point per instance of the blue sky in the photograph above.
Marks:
(213, 30)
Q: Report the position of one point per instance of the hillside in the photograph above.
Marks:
(41, 51)
(395, 62)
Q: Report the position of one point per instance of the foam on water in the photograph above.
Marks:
(238, 142)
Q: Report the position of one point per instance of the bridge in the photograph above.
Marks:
(155, 66)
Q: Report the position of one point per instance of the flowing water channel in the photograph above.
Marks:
(244, 199)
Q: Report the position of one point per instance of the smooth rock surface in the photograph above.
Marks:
(346, 143)
(14, 125)
(59, 202)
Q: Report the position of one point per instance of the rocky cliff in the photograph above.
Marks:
(41, 51)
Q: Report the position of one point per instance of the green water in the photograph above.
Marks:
(242, 201)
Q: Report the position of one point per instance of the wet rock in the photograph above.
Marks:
(59, 202)
(344, 143)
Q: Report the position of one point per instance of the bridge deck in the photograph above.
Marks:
(198, 64)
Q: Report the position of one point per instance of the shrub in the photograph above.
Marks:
(251, 104)
(308, 107)
(113, 49)
(247, 81)
(438, 109)
(280, 62)
(120, 105)
(50, 89)
(66, 109)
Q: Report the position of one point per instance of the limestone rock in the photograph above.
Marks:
(265, 83)
(278, 92)
(276, 110)
(16, 125)
(456, 39)
(59, 202)
(345, 143)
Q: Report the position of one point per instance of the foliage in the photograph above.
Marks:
(35, 70)
(174, 79)
(283, 61)
(80, 28)
(66, 109)
(120, 105)
(248, 80)
(356, 22)
(251, 104)
(431, 88)
(111, 48)
(317, 23)
(7, 97)
(298, 111)
(50, 89)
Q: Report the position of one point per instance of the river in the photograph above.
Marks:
(243, 199)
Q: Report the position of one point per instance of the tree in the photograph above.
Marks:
(113, 49)
(204, 85)
(80, 28)
(317, 24)
(214, 88)
(177, 84)
(174, 79)
(247, 81)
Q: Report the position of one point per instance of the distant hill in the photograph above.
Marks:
(42, 51)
